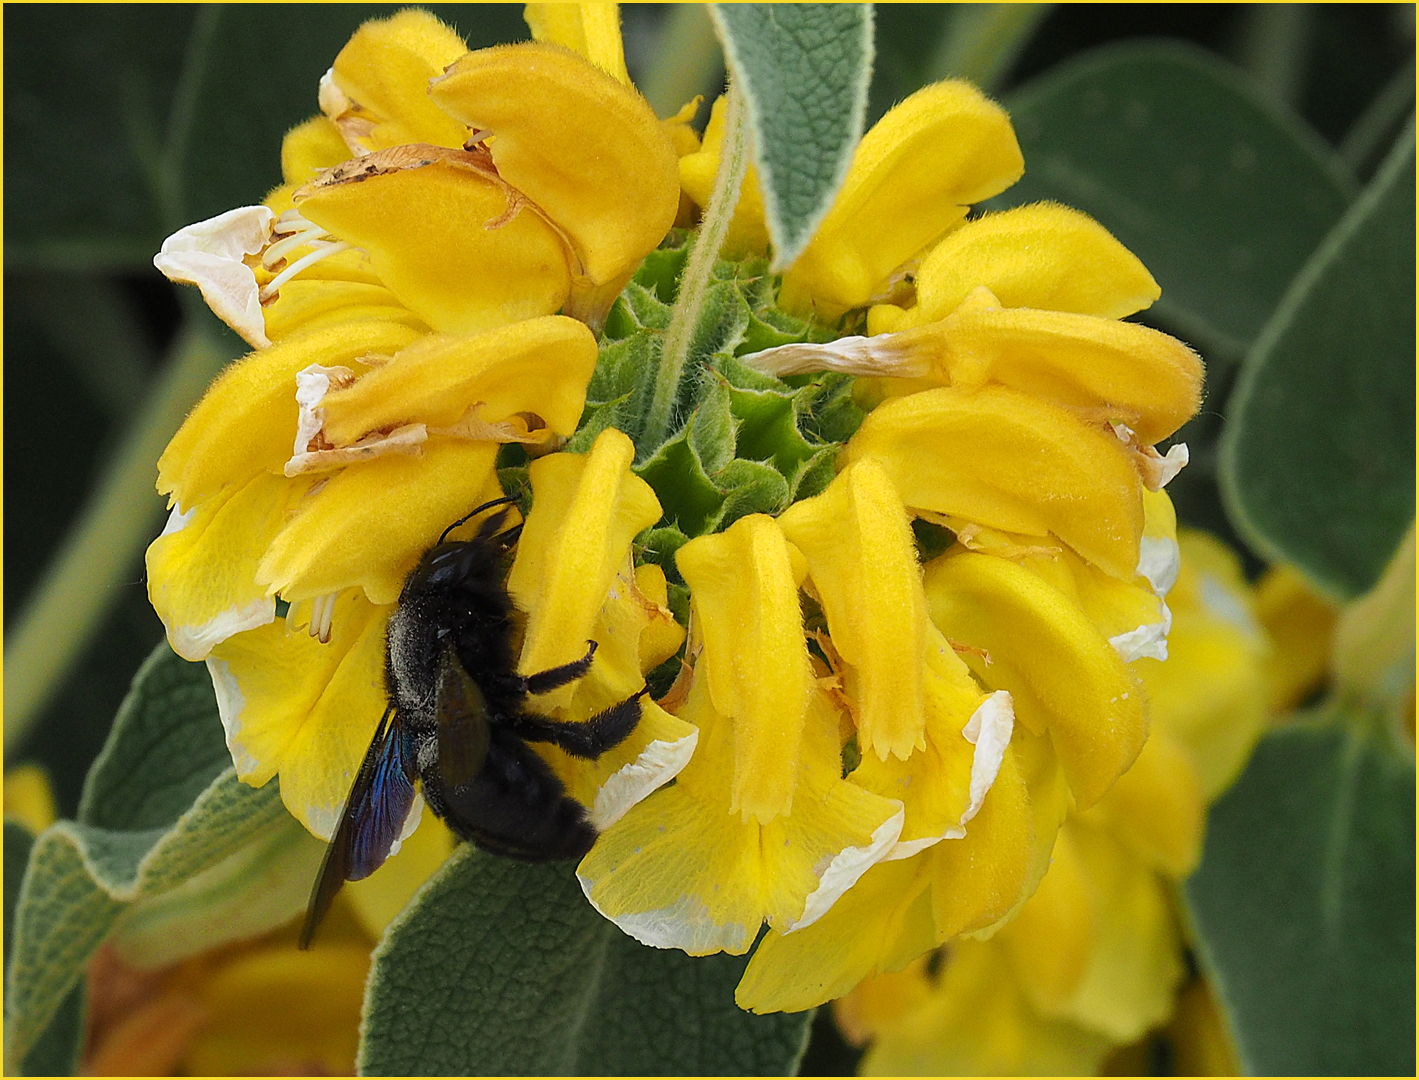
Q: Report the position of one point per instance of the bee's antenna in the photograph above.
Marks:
(474, 513)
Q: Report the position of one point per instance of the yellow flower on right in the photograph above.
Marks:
(888, 749)
(1094, 959)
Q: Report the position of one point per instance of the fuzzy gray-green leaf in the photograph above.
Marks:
(500, 967)
(1218, 189)
(1317, 458)
(804, 71)
(1303, 904)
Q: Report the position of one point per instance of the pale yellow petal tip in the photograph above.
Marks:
(209, 254)
(988, 731)
(846, 867)
(231, 704)
(194, 641)
(1148, 640)
(685, 925)
(656, 765)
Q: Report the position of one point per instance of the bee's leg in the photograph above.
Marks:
(588, 739)
(562, 674)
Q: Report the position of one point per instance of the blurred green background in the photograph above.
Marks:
(1237, 137)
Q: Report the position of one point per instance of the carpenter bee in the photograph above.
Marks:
(457, 722)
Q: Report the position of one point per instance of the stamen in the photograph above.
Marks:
(277, 251)
(323, 251)
(291, 221)
(327, 616)
(293, 623)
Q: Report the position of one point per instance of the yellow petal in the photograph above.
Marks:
(1037, 256)
(585, 148)
(1156, 809)
(309, 149)
(446, 237)
(913, 176)
(655, 753)
(747, 234)
(590, 30)
(1123, 372)
(1199, 1033)
(1011, 462)
(982, 877)
(680, 870)
(246, 422)
(862, 558)
(1300, 623)
(1212, 692)
(29, 798)
(311, 304)
(1063, 674)
(744, 602)
(877, 926)
(662, 636)
(369, 525)
(278, 1008)
(306, 710)
(202, 569)
(1129, 613)
(978, 1022)
(586, 509)
(539, 366)
(1049, 941)
(383, 76)
(1136, 963)
(879, 1001)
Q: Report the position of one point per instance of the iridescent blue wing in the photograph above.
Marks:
(373, 818)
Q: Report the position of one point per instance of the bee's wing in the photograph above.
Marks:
(462, 723)
(374, 815)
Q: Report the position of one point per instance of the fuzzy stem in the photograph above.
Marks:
(689, 301)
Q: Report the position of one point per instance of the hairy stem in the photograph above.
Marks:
(733, 160)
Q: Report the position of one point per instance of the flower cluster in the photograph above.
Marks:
(894, 689)
(887, 750)
(420, 291)
(1094, 959)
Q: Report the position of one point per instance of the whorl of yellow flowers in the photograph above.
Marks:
(871, 755)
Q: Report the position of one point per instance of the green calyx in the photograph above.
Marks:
(740, 442)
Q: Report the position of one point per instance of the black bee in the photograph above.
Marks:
(457, 722)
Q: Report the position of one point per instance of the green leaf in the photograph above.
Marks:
(1317, 459)
(500, 967)
(804, 71)
(170, 844)
(1303, 904)
(1220, 191)
(167, 748)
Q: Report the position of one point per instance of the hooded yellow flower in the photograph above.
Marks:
(1094, 958)
(984, 695)
(872, 756)
(404, 289)
(446, 190)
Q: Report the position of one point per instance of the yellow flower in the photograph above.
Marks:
(872, 756)
(29, 798)
(986, 694)
(410, 273)
(446, 190)
(1094, 959)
